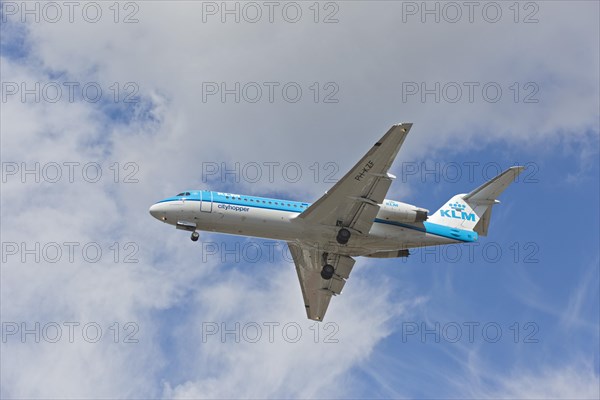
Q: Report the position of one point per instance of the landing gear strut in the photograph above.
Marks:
(327, 272)
(195, 236)
(343, 236)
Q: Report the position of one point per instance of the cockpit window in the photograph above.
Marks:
(183, 194)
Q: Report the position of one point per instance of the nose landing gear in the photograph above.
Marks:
(195, 236)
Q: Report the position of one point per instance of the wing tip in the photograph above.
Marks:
(313, 316)
(404, 126)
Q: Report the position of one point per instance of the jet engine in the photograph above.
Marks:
(396, 211)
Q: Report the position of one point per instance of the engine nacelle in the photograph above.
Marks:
(396, 211)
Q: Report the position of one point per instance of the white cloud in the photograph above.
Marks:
(280, 363)
(369, 65)
(574, 380)
(570, 382)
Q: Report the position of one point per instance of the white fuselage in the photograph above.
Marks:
(276, 219)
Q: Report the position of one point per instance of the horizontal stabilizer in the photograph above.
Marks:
(489, 191)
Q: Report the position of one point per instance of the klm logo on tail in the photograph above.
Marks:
(457, 212)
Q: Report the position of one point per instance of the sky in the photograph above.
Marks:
(108, 107)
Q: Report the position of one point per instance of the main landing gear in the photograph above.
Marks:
(328, 269)
(343, 236)
(195, 236)
(327, 272)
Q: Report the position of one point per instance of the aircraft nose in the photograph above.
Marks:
(157, 211)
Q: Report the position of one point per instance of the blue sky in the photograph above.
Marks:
(163, 294)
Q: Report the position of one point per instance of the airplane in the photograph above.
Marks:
(352, 219)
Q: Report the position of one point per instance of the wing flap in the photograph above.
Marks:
(363, 217)
(336, 284)
(344, 267)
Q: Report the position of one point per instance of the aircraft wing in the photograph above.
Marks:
(354, 200)
(317, 291)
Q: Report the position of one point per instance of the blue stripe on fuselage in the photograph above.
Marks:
(260, 202)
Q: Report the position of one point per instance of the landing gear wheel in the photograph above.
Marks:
(343, 236)
(327, 272)
(195, 236)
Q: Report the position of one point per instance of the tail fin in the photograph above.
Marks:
(473, 211)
